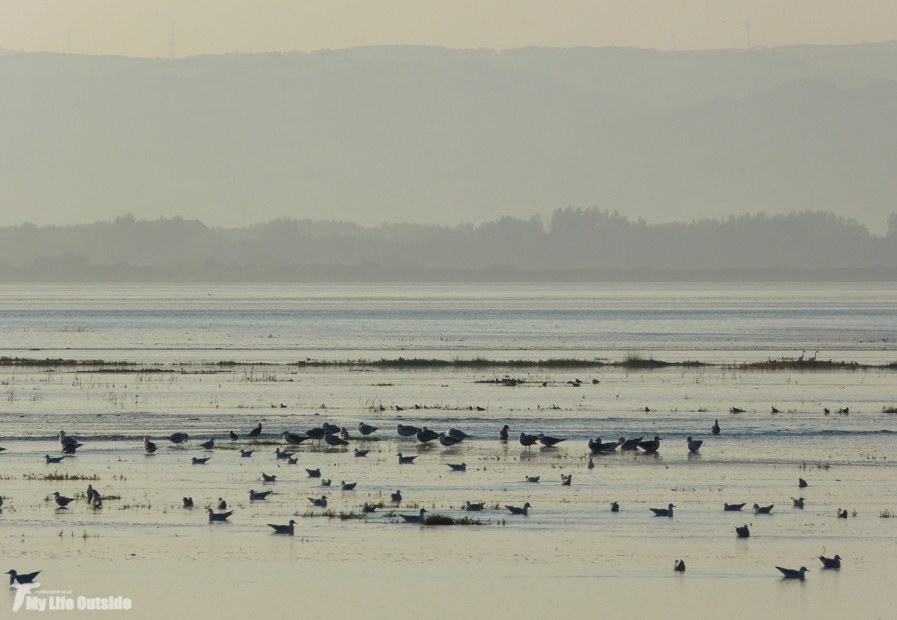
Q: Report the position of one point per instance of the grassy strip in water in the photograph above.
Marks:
(446, 520)
(57, 477)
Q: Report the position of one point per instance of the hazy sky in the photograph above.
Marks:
(145, 27)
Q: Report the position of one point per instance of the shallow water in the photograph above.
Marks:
(570, 556)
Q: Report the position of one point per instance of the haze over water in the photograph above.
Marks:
(571, 557)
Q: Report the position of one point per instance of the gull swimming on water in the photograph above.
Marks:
(797, 502)
(841, 514)
(148, 446)
(197, 461)
(246, 453)
(347, 486)
(743, 531)
(473, 507)
(629, 444)
(253, 496)
(360, 453)
(694, 444)
(283, 529)
(366, 429)
(679, 566)
(219, 516)
(663, 512)
(763, 510)
(566, 480)
(314, 473)
(267, 478)
(222, 505)
(208, 445)
(397, 496)
(368, 508)
(326, 482)
(834, 562)
(15, 577)
(319, 502)
(178, 438)
(406, 460)
(188, 502)
(532, 479)
(615, 507)
(519, 511)
(61, 500)
(790, 573)
(733, 507)
(715, 428)
(458, 466)
(414, 518)
(53, 459)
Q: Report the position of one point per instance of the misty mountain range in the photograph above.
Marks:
(432, 135)
(574, 244)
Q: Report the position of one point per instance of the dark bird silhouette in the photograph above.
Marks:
(22, 579)
(254, 433)
(503, 433)
(715, 428)
(743, 531)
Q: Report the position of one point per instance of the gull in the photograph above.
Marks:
(2, 449)
(91, 492)
(694, 444)
(258, 496)
(774, 410)
(663, 512)
(447, 441)
(406, 460)
(148, 446)
(246, 453)
(343, 434)
(292, 438)
(219, 516)
(549, 442)
(797, 502)
(368, 508)
(292, 461)
(519, 511)
(282, 455)
(841, 514)
(715, 428)
(801, 483)
(96, 502)
(790, 573)
(63, 440)
(651, 445)
(743, 531)
(332, 429)
(679, 566)
(283, 529)
(503, 433)
(21, 579)
(566, 480)
(316, 433)
(454, 433)
(458, 466)
(732, 507)
(344, 486)
(591, 465)
(208, 445)
(615, 507)
(473, 507)
(53, 459)
(528, 440)
(406, 431)
(188, 502)
(70, 448)
(319, 502)
(418, 518)
(197, 461)
(598, 446)
(629, 444)
(178, 438)
(360, 453)
(763, 510)
(222, 505)
(425, 435)
(532, 479)
(736, 410)
(326, 483)
(834, 562)
(61, 500)
(267, 478)
(314, 473)
(332, 440)
(366, 429)
(232, 436)
(254, 433)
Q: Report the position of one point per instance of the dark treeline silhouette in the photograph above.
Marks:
(575, 244)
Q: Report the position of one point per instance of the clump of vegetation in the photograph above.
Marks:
(57, 477)
(332, 514)
(889, 409)
(887, 514)
(446, 520)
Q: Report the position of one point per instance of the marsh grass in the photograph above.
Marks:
(57, 477)
(446, 520)
(887, 514)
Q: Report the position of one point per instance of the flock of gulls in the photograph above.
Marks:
(337, 436)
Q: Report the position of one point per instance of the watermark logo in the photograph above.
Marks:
(29, 599)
